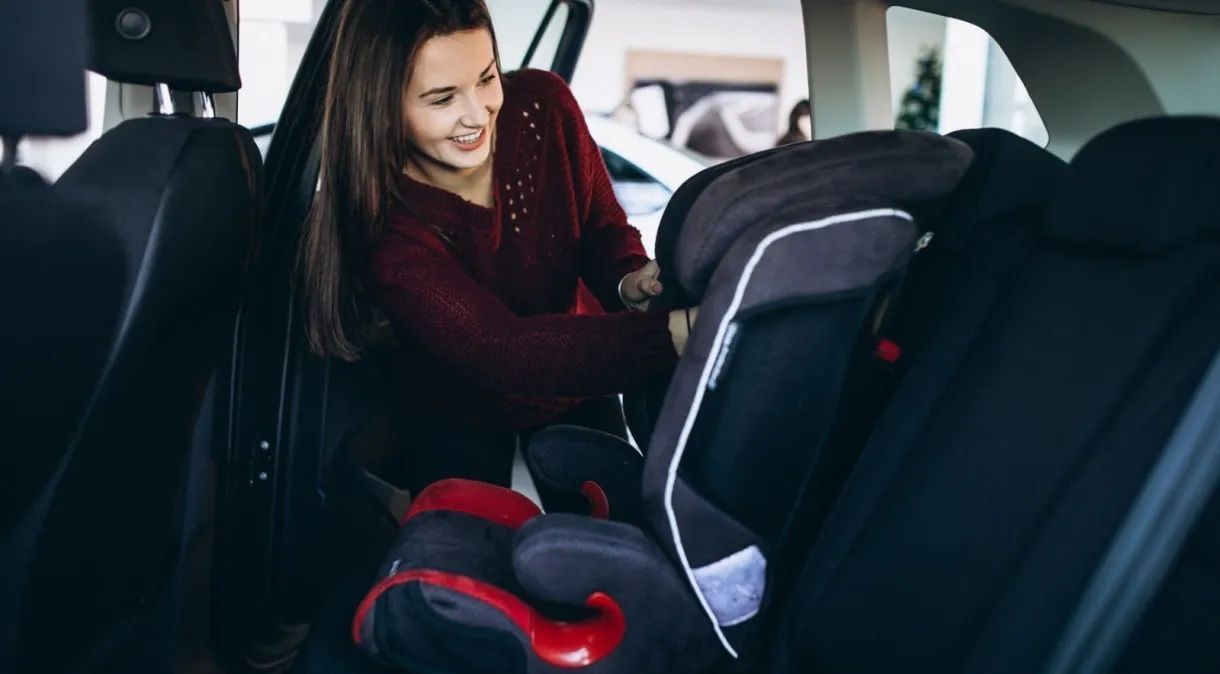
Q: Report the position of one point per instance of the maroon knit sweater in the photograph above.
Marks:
(499, 310)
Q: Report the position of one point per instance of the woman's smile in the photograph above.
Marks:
(471, 141)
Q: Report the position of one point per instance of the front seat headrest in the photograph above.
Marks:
(185, 44)
(891, 167)
(1121, 185)
(43, 50)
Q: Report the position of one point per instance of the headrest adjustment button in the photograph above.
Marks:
(133, 24)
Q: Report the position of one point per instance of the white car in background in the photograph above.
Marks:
(645, 172)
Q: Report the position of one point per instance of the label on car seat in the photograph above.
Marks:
(733, 586)
(725, 351)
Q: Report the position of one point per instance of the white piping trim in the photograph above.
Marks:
(708, 366)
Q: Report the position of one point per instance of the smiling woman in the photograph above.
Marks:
(451, 109)
(474, 210)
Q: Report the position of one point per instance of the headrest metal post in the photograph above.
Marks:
(163, 100)
(207, 106)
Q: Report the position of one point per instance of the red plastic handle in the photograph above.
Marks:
(561, 644)
(599, 504)
(479, 499)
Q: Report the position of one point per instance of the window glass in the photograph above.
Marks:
(272, 38)
(638, 192)
(516, 22)
(947, 74)
(52, 156)
(274, 34)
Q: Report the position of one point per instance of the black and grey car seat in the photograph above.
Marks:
(1013, 449)
(787, 256)
(972, 241)
(183, 194)
(62, 273)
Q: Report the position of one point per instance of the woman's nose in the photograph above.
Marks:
(475, 114)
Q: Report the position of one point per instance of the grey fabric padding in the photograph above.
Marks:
(443, 540)
(467, 611)
(564, 558)
(822, 261)
(734, 585)
(700, 517)
(827, 261)
(804, 182)
(843, 251)
(401, 613)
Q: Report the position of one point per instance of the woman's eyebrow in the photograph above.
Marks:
(445, 90)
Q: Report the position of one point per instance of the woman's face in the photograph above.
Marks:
(453, 97)
(805, 124)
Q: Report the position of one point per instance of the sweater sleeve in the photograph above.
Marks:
(610, 248)
(428, 293)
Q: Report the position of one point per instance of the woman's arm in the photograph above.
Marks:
(610, 248)
(466, 326)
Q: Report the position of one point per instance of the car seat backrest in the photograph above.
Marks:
(184, 194)
(61, 283)
(1012, 450)
(971, 241)
(787, 255)
(903, 166)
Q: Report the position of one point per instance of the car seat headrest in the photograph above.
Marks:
(43, 50)
(1144, 187)
(186, 45)
(810, 180)
(1008, 173)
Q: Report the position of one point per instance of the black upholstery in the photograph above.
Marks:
(187, 45)
(100, 547)
(44, 88)
(62, 272)
(1012, 449)
(184, 196)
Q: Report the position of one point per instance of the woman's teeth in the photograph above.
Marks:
(469, 138)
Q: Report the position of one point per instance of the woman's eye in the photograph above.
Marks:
(486, 80)
(442, 102)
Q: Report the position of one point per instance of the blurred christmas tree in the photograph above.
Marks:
(920, 107)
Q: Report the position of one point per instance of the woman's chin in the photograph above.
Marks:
(467, 161)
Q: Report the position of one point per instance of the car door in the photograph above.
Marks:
(295, 436)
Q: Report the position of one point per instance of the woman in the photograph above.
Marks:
(800, 124)
(475, 211)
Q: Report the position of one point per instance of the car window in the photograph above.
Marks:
(274, 33)
(947, 74)
(272, 37)
(516, 22)
(52, 156)
(639, 193)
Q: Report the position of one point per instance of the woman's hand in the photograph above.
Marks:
(640, 286)
(681, 323)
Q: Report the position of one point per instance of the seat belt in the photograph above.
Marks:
(1156, 528)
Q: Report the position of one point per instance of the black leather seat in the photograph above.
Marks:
(1012, 450)
(184, 196)
(62, 272)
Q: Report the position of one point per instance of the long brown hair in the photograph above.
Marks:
(364, 148)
